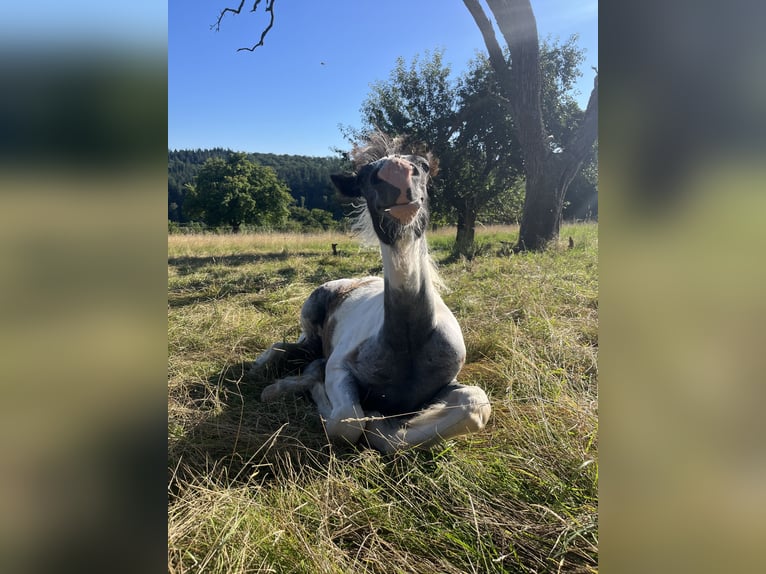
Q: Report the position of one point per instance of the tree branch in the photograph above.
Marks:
(217, 24)
(269, 8)
(517, 23)
(581, 142)
(496, 57)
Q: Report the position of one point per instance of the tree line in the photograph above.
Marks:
(313, 203)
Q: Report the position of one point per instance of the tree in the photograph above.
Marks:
(465, 127)
(307, 177)
(483, 159)
(234, 191)
(549, 169)
(302, 219)
(468, 125)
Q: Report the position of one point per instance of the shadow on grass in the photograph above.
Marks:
(186, 265)
(215, 288)
(237, 440)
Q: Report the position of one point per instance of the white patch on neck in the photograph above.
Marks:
(406, 266)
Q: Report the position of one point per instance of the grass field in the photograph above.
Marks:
(257, 488)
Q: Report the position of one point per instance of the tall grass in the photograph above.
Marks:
(257, 488)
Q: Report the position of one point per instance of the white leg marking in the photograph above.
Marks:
(338, 404)
(459, 409)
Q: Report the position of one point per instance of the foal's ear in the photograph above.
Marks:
(347, 184)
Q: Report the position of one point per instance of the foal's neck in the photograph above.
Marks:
(407, 266)
(409, 292)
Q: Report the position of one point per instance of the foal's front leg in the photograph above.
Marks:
(337, 400)
(457, 409)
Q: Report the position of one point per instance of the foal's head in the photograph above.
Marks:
(394, 189)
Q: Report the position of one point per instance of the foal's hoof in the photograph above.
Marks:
(253, 372)
(256, 371)
(270, 394)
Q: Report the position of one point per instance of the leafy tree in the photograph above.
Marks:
(183, 167)
(470, 127)
(549, 169)
(482, 163)
(234, 191)
(467, 130)
(307, 177)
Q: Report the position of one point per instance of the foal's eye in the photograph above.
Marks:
(419, 165)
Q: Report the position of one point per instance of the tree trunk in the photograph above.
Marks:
(466, 232)
(543, 205)
(548, 174)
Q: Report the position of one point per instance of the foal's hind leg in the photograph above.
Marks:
(457, 409)
(311, 375)
(285, 358)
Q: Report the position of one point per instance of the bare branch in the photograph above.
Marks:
(587, 133)
(217, 24)
(269, 8)
(496, 57)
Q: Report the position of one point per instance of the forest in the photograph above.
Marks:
(308, 179)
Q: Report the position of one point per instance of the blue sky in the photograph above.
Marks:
(282, 99)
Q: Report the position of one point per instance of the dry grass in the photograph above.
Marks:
(256, 488)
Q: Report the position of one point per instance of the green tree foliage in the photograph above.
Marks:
(483, 160)
(470, 127)
(308, 178)
(234, 191)
(183, 166)
(302, 219)
(418, 100)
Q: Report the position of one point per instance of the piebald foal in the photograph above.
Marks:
(382, 355)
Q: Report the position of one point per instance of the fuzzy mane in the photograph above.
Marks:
(377, 145)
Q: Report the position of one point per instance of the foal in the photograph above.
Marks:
(383, 354)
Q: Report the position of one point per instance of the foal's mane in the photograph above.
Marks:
(377, 145)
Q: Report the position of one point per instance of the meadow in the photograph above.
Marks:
(257, 488)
